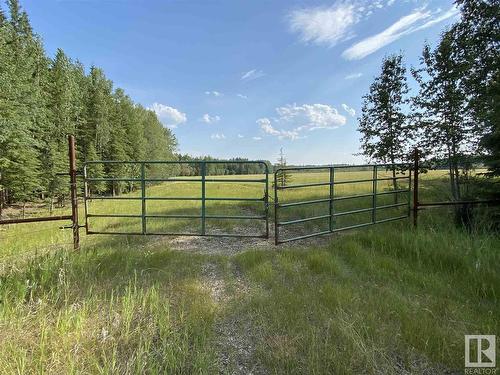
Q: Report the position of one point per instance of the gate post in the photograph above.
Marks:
(266, 200)
(330, 217)
(415, 187)
(276, 210)
(203, 196)
(73, 188)
(374, 191)
(143, 197)
(85, 198)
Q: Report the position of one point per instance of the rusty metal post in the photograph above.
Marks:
(74, 196)
(415, 187)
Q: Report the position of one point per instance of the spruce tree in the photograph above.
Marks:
(54, 156)
(44, 100)
(21, 169)
(95, 171)
(99, 104)
(283, 177)
(21, 107)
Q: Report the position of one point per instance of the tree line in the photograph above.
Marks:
(454, 115)
(240, 166)
(43, 99)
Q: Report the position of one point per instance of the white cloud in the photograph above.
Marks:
(349, 110)
(169, 116)
(240, 136)
(213, 93)
(353, 76)
(265, 124)
(256, 138)
(293, 120)
(218, 136)
(311, 116)
(252, 74)
(207, 119)
(324, 25)
(452, 12)
(406, 25)
(242, 96)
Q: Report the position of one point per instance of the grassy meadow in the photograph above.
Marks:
(386, 299)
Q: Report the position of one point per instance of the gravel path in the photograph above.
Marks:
(235, 337)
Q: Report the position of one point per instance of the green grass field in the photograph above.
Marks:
(382, 299)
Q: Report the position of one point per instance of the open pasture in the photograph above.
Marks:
(382, 299)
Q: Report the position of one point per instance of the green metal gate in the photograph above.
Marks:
(332, 198)
(141, 179)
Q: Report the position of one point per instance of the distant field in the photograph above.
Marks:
(383, 299)
(240, 190)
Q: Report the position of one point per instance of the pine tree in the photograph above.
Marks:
(118, 143)
(3, 19)
(15, 14)
(21, 169)
(21, 106)
(283, 177)
(54, 156)
(383, 123)
(447, 131)
(99, 104)
(44, 100)
(94, 171)
(79, 108)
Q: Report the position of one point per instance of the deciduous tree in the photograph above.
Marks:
(383, 122)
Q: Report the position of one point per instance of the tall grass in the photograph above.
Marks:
(115, 310)
(384, 299)
(371, 302)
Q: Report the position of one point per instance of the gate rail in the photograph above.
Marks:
(203, 198)
(332, 199)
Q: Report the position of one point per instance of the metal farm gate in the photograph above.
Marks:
(139, 177)
(330, 199)
(288, 213)
(330, 206)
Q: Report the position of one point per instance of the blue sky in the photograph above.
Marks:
(244, 78)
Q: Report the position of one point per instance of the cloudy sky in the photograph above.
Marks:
(244, 78)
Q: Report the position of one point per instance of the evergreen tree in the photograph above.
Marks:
(95, 171)
(44, 100)
(15, 14)
(60, 89)
(118, 143)
(98, 107)
(20, 169)
(3, 19)
(20, 106)
(283, 177)
(383, 123)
